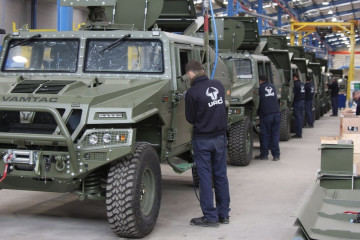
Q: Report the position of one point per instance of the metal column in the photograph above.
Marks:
(279, 22)
(230, 8)
(260, 11)
(64, 18)
(33, 14)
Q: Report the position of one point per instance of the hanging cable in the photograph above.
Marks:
(7, 159)
(216, 40)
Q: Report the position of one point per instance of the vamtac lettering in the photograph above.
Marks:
(29, 99)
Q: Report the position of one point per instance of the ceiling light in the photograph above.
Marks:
(330, 12)
(325, 3)
(334, 19)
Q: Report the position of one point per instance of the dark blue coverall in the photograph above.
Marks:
(205, 109)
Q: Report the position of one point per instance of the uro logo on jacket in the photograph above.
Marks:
(270, 91)
(312, 89)
(302, 88)
(214, 96)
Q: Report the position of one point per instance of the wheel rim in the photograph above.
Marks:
(147, 191)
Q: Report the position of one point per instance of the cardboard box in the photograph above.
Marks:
(355, 138)
(356, 161)
(329, 140)
(349, 124)
(348, 112)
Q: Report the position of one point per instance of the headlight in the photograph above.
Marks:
(107, 138)
(93, 139)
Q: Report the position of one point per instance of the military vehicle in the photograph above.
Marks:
(241, 51)
(95, 111)
(325, 79)
(277, 50)
(316, 74)
(239, 37)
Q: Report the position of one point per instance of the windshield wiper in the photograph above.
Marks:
(26, 40)
(116, 42)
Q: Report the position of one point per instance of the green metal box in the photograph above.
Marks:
(337, 166)
(337, 158)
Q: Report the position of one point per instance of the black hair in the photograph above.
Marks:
(263, 78)
(194, 66)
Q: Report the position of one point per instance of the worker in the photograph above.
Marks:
(334, 87)
(205, 108)
(269, 113)
(356, 97)
(309, 96)
(298, 106)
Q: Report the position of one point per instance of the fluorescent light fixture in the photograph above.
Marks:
(330, 11)
(325, 3)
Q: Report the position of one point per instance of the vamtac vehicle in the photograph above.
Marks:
(244, 71)
(275, 47)
(95, 111)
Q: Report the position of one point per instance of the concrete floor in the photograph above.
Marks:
(265, 197)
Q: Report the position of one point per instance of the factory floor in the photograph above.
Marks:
(265, 198)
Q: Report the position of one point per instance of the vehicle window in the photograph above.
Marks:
(261, 68)
(42, 55)
(128, 56)
(268, 72)
(184, 59)
(243, 68)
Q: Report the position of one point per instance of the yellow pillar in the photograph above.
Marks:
(292, 35)
(352, 60)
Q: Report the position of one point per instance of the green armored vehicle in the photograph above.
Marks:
(325, 79)
(244, 68)
(95, 111)
(276, 49)
(316, 74)
(240, 49)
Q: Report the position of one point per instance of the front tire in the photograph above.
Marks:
(133, 193)
(285, 125)
(241, 143)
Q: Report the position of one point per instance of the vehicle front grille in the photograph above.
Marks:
(40, 86)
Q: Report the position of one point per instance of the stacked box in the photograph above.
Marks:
(350, 130)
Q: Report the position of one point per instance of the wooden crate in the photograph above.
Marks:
(356, 161)
(356, 140)
(349, 125)
(329, 140)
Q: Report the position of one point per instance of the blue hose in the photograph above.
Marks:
(216, 40)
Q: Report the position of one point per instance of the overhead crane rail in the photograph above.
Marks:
(348, 28)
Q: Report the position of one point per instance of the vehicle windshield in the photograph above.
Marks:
(128, 56)
(42, 55)
(243, 68)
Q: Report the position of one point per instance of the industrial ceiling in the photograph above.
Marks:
(282, 11)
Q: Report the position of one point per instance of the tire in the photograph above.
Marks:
(285, 125)
(133, 193)
(241, 143)
(317, 111)
(322, 110)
